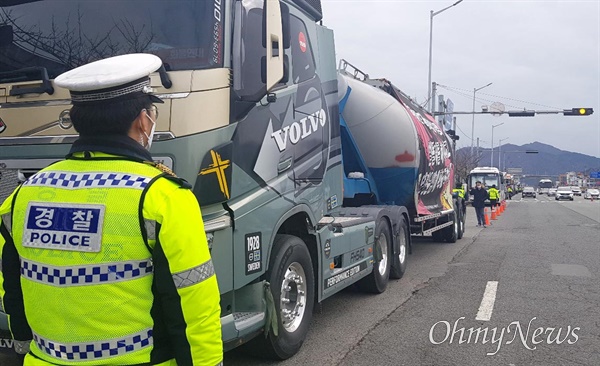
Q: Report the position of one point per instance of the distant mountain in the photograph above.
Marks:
(548, 161)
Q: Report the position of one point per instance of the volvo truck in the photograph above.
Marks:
(310, 179)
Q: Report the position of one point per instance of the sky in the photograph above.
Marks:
(539, 55)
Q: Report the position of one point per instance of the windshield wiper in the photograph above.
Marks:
(28, 74)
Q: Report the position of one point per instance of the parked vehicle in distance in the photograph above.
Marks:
(564, 193)
(552, 192)
(576, 190)
(529, 192)
(591, 193)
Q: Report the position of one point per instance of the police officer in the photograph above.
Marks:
(104, 256)
(494, 196)
(510, 192)
(459, 189)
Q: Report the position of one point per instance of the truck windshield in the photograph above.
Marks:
(488, 179)
(63, 34)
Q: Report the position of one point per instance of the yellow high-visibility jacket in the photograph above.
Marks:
(460, 191)
(105, 262)
(494, 193)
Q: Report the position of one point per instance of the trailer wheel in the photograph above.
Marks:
(293, 287)
(451, 232)
(437, 236)
(461, 218)
(376, 282)
(399, 262)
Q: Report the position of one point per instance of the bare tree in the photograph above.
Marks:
(65, 42)
(464, 162)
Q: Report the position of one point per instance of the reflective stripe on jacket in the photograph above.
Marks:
(113, 265)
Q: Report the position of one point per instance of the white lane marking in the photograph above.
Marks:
(487, 303)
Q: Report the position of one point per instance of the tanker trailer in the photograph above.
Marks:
(395, 153)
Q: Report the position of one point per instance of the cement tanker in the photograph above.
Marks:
(407, 155)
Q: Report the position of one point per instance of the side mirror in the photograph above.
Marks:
(286, 70)
(274, 42)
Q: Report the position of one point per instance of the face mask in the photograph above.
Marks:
(151, 136)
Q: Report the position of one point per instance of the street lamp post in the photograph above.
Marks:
(494, 126)
(500, 151)
(473, 120)
(431, 15)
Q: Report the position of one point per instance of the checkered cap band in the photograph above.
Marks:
(70, 180)
(194, 275)
(143, 87)
(97, 350)
(66, 276)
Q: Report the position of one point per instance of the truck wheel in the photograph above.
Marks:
(399, 262)
(461, 223)
(437, 236)
(376, 282)
(460, 210)
(293, 287)
(451, 232)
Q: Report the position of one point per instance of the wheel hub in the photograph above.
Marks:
(402, 254)
(293, 297)
(383, 247)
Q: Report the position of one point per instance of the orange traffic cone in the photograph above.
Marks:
(494, 213)
(487, 217)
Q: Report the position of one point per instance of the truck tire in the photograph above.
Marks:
(399, 261)
(376, 282)
(461, 217)
(438, 236)
(293, 287)
(451, 232)
(461, 224)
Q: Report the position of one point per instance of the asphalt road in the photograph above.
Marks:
(544, 256)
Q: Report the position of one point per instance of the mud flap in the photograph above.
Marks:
(271, 312)
(377, 253)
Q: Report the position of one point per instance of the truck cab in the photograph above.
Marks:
(250, 119)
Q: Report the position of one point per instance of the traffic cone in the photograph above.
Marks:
(494, 215)
(487, 217)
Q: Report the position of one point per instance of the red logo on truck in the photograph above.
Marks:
(2, 125)
(302, 41)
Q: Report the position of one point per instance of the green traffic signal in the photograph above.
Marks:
(578, 112)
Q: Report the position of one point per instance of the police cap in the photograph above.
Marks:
(112, 79)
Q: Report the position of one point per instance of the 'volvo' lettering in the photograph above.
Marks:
(299, 130)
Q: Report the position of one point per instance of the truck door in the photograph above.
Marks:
(310, 132)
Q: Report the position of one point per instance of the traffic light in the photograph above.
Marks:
(578, 112)
(521, 113)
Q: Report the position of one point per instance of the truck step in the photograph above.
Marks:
(245, 320)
